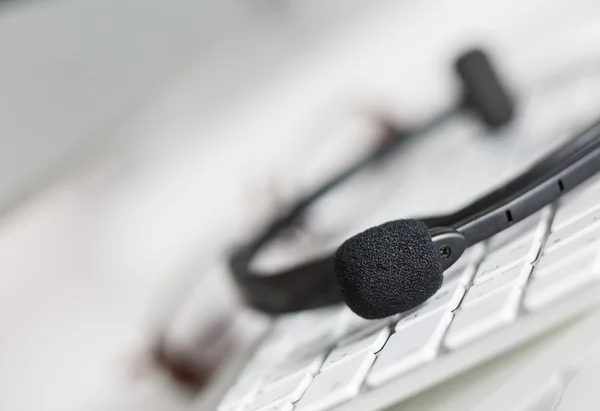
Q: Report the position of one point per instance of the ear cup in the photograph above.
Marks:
(484, 91)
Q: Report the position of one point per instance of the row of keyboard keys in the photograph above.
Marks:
(266, 370)
(568, 261)
(494, 299)
(456, 315)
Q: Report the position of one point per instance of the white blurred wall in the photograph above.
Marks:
(69, 69)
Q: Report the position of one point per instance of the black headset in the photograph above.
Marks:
(398, 265)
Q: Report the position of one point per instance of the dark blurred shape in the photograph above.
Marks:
(484, 92)
(194, 366)
(180, 368)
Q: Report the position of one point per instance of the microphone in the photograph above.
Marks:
(388, 269)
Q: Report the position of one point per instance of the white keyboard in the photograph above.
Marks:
(524, 281)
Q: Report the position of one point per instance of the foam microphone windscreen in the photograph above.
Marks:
(388, 269)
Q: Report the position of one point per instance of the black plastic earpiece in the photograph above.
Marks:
(484, 92)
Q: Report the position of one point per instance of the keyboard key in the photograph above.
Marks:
(570, 263)
(568, 232)
(318, 329)
(411, 346)
(366, 330)
(288, 391)
(572, 209)
(526, 250)
(372, 342)
(448, 298)
(313, 328)
(579, 242)
(352, 327)
(483, 317)
(542, 291)
(515, 274)
(337, 384)
(292, 367)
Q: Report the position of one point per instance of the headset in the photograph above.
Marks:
(398, 265)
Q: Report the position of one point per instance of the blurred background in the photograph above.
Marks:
(140, 140)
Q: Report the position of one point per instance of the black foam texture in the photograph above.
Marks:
(388, 269)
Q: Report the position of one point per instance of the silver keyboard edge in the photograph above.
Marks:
(450, 364)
